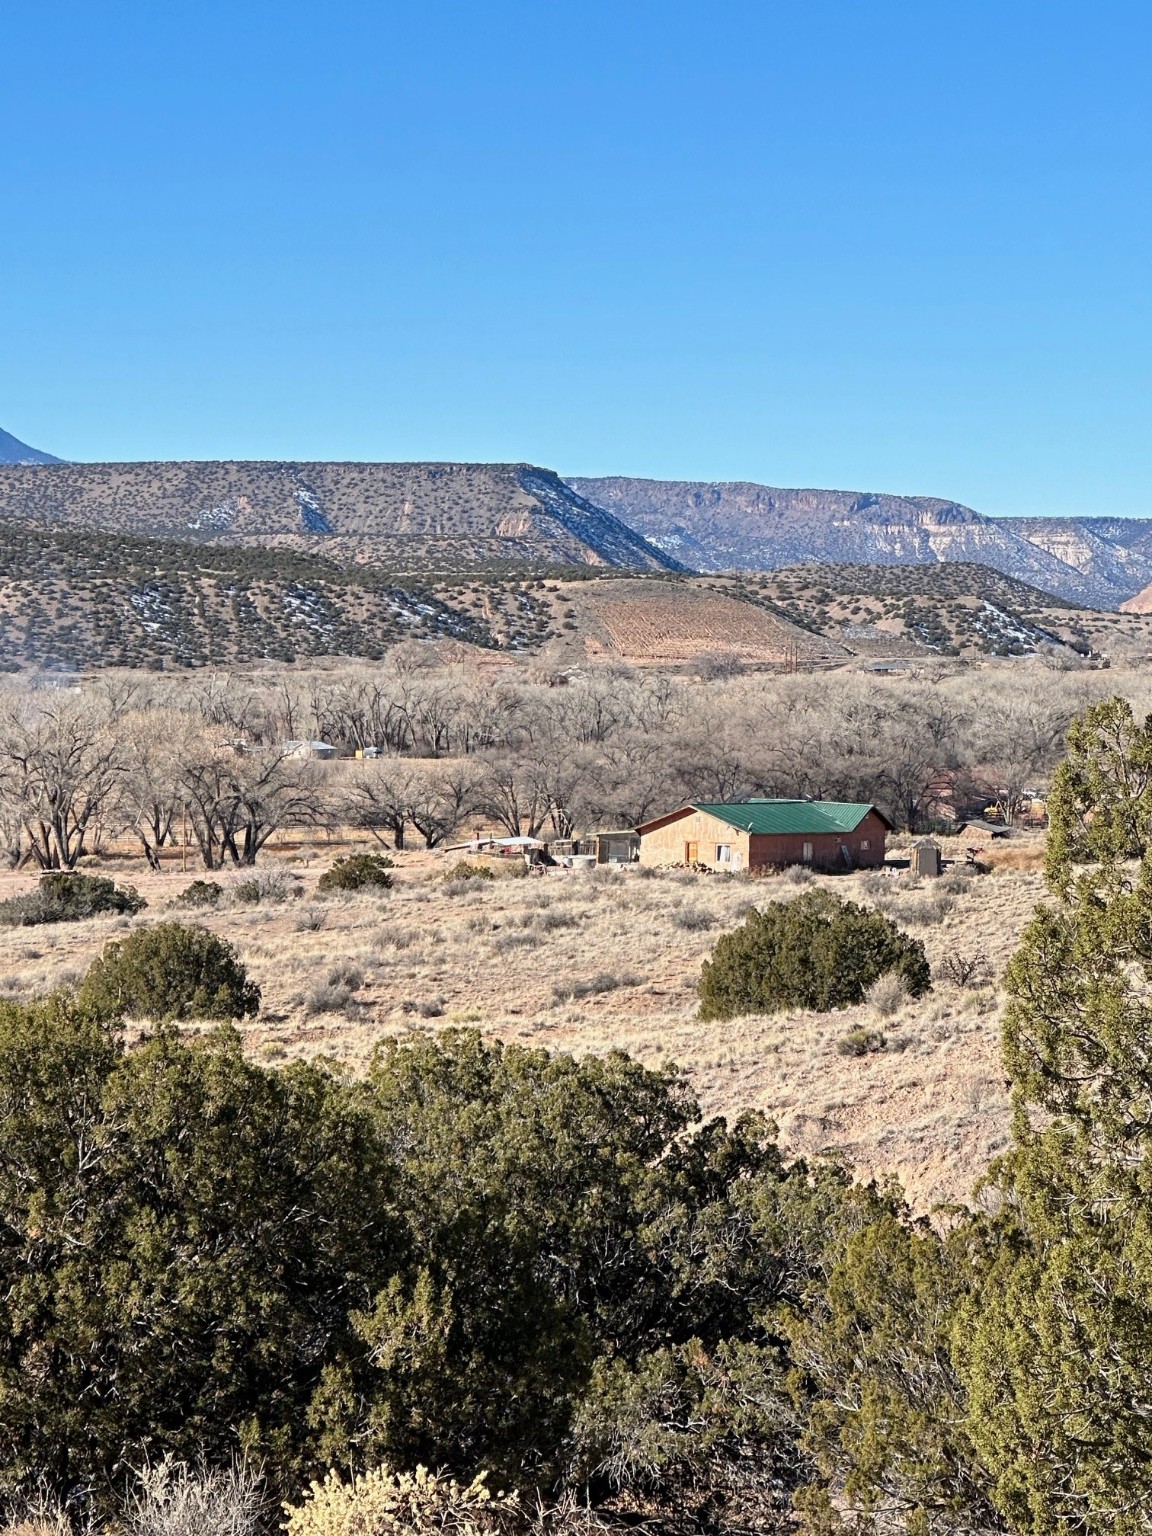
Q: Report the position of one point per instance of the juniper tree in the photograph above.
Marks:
(1057, 1348)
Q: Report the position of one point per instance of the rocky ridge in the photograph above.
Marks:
(737, 525)
(403, 517)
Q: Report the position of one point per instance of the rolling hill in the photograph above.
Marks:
(76, 598)
(957, 609)
(1099, 562)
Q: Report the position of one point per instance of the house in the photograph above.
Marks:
(765, 834)
(321, 749)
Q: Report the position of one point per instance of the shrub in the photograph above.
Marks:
(172, 1499)
(926, 911)
(64, 897)
(328, 997)
(966, 970)
(510, 941)
(463, 870)
(694, 919)
(887, 993)
(201, 893)
(798, 874)
(358, 872)
(861, 1042)
(816, 951)
(591, 986)
(549, 922)
(170, 972)
(385, 1503)
(269, 885)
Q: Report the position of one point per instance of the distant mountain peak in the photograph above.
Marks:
(13, 451)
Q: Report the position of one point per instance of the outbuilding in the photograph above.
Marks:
(765, 834)
(321, 749)
(621, 846)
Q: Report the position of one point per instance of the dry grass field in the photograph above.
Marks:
(591, 961)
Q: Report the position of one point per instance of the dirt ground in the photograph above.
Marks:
(591, 961)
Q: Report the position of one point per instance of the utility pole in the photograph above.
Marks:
(184, 837)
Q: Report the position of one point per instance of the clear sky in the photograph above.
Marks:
(852, 243)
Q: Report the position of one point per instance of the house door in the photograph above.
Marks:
(691, 853)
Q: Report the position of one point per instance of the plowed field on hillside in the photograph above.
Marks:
(667, 624)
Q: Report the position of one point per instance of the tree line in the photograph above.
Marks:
(526, 752)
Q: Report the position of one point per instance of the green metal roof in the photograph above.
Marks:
(789, 816)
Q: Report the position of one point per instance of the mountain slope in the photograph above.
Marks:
(82, 598)
(79, 598)
(13, 451)
(402, 516)
(1112, 550)
(742, 526)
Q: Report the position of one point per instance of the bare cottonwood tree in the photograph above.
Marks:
(515, 794)
(60, 765)
(440, 796)
(237, 798)
(378, 798)
(155, 744)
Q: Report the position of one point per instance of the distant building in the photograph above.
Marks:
(309, 749)
(765, 834)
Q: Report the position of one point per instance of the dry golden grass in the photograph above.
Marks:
(609, 959)
(1016, 856)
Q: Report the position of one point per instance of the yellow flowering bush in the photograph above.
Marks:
(387, 1503)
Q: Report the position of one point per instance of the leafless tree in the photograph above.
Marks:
(59, 769)
(378, 798)
(155, 744)
(236, 799)
(515, 794)
(440, 796)
(635, 779)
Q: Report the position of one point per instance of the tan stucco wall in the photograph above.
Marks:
(668, 844)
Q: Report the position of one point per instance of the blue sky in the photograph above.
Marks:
(884, 246)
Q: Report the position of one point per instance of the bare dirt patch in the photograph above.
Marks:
(671, 624)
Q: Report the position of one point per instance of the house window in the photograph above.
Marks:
(807, 853)
(864, 845)
(723, 853)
